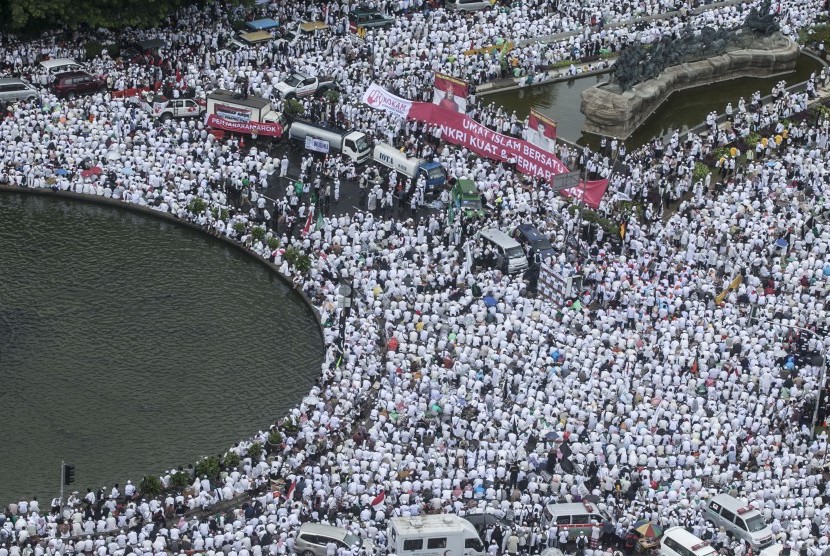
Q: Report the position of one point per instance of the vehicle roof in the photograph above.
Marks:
(366, 10)
(571, 508)
(497, 235)
(256, 36)
(310, 26)
(68, 74)
(467, 187)
(319, 528)
(428, 524)
(10, 80)
(49, 64)
(530, 232)
(228, 96)
(680, 534)
(332, 129)
(264, 23)
(732, 504)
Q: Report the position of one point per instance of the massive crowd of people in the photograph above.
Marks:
(687, 364)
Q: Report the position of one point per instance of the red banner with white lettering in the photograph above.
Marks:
(248, 128)
(529, 159)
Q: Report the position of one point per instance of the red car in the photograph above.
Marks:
(71, 84)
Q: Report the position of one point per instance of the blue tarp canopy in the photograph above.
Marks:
(262, 24)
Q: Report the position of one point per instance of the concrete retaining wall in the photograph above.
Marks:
(608, 112)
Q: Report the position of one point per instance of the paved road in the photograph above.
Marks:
(350, 194)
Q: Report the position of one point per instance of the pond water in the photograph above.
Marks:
(130, 345)
(683, 109)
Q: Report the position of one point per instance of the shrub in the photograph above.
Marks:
(273, 243)
(291, 254)
(258, 233)
(294, 108)
(197, 205)
(231, 460)
(179, 480)
(303, 263)
(93, 49)
(208, 467)
(150, 486)
(239, 227)
(701, 171)
(275, 437)
(332, 96)
(255, 451)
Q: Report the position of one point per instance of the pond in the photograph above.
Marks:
(130, 345)
(683, 109)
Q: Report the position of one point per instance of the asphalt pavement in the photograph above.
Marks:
(350, 194)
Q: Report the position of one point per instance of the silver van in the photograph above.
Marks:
(467, 5)
(509, 254)
(312, 539)
(677, 541)
(740, 519)
(14, 90)
(575, 517)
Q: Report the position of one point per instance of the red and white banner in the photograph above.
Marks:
(541, 131)
(590, 192)
(459, 129)
(462, 130)
(248, 128)
(450, 93)
(378, 97)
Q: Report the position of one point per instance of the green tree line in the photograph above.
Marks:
(36, 15)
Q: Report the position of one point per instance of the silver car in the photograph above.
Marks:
(312, 539)
(13, 90)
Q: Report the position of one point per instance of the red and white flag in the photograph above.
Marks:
(289, 494)
(308, 222)
(451, 93)
(541, 131)
(378, 500)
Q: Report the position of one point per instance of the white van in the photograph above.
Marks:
(434, 535)
(740, 519)
(467, 5)
(677, 541)
(55, 66)
(576, 517)
(510, 255)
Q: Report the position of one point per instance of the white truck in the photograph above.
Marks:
(434, 535)
(163, 108)
(324, 139)
(252, 115)
(433, 172)
(299, 85)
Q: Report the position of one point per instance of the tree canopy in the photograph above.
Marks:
(33, 15)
